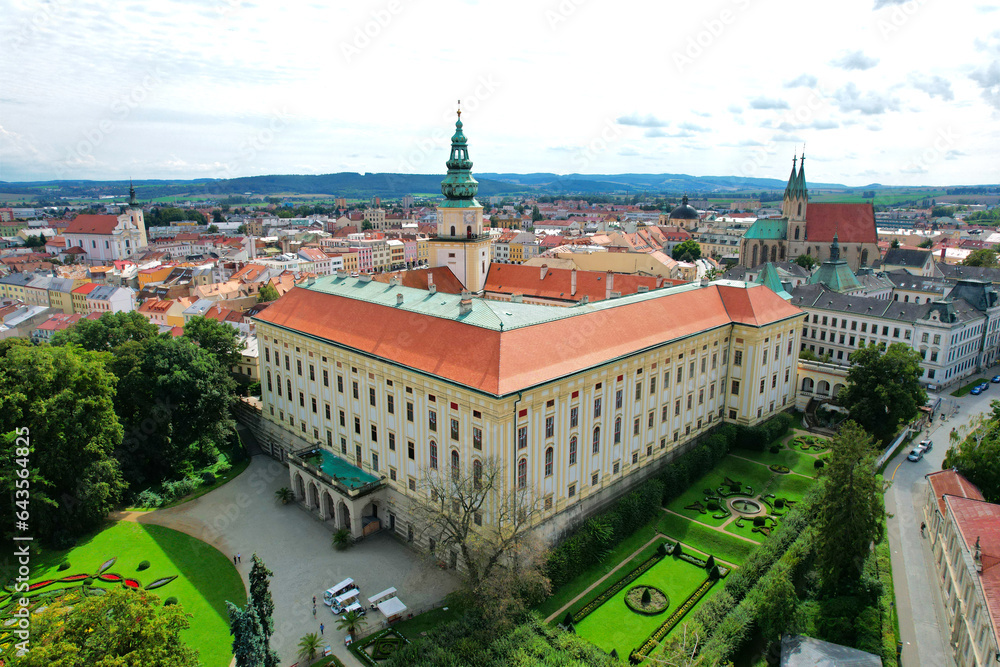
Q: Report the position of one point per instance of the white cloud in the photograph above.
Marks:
(641, 121)
(768, 103)
(802, 81)
(933, 85)
(850, 98)
(854, 60)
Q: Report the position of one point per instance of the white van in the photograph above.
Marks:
(355, 607)
(331, 593)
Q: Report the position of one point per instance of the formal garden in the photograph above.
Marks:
(635, 600)
(175, 568)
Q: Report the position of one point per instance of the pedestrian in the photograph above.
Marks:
(923, 527)
(314, 600)
(239, 558)
(234, 559)
(314, 610)
(321, 628)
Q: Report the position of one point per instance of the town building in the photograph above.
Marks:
(964, 533)
(106, 238)
(808, 229)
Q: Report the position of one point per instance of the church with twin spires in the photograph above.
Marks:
(461, 244)
(809, 228)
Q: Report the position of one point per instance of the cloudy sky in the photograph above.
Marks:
(878, 90)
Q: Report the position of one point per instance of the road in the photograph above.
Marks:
(922, 621)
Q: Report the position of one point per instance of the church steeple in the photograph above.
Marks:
(792, 179)
(801, 181)
(835, 249)
(459, 187)
(131, 194)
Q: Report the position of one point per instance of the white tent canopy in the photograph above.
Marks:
(391, 607)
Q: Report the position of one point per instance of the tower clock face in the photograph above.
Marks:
(470, 217)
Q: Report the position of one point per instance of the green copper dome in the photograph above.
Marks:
(459, 185)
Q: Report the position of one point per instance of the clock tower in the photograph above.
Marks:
(461, 244)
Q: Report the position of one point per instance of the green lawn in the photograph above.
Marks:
(796, 460)
(429, 620)
(791, 487)
(965, 389)
(746, 531)
(206, 577)
(585, 578)
(747, 472)
(705, 539)
(614, 626)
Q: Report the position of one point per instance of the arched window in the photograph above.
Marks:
(288, 384)
(774, 253)
(269, 381)
(468, 231)
(800, 208)
(597, 439)
(434, 455)
(753, 263)
(797, 229)
(477, 473)
(864, 258)
(453, 230)
(618, 430)
(572, 450)
(522, 473)
(454, 464)
(548, 462)
(279, 384)
(782, 253)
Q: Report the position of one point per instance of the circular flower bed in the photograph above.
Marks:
(781, 470)
(656, 600)
(385, 646)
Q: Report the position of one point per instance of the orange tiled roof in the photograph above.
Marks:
(444, 280)
(952, 483)
(85, 288)
(558, 283)
(852, 223)
(92, 224)
(501, 362)
(979, 520)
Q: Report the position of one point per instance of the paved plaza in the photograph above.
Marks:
(244, 517)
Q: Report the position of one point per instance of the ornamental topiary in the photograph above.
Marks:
(170, 601)
(712, 505)
(779, 503)
(568, 620)
(63, 566)
(775, 449)
(646, 598)
(818, 464)
(677, 549)
(207, 478)
(710, 563)
(758, 521)
(144, 565)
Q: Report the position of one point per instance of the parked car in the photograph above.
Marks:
(984, 386)
(926, 445)
(976, 391)
(915, 455)
(996, 379)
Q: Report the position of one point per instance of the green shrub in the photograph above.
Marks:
(170, 601)
(178, 489)
(779, 503)
(144, 565)
(712, 505)
(89, 581)
(64, 566)
(758, 521)
(149, 498)
(207, 478)
(775, 449)
(818, 463)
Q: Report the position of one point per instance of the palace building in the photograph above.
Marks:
(368, 386)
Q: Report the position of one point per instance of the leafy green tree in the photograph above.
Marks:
(351, 622)
(242, 229)
(977, 456)
(849, 509)
(64, 395)
(267, 293)
(894, 244)
(309, 646)
(174, 399)
(217, 217)
(121, 627)
(366, 225)
(981, 257)
(689, 248)
(249, 647)
(536, 215)
(260, 598)
(107, 332)
(883, 388)
(926, 243)
(213, 229)
(807, 262)
(217, 338)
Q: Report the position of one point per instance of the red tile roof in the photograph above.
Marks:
(499, 363)
(92, 224)
(853, 223)
(980, 520)
(444, 280)
(558, 283)
(59, 321)
(85, 288)
(952, 483)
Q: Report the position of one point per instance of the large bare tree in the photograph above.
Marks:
(477, 511)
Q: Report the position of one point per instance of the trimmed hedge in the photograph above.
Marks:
(641, 653)
(610, 592)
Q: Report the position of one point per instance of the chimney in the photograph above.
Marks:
(430, 279)
(572, 282)
(585, 299)
(399, 298)
(394, 281)
(942, 254)
(465, 304)
(365, 278)
(545, 270)
(432, 288)
(341, 273)
(608, 285)
(517, 298)
(643, 289)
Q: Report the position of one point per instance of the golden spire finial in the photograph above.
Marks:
(460, 108)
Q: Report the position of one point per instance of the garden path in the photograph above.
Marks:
(790, 472)
(720, 528)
